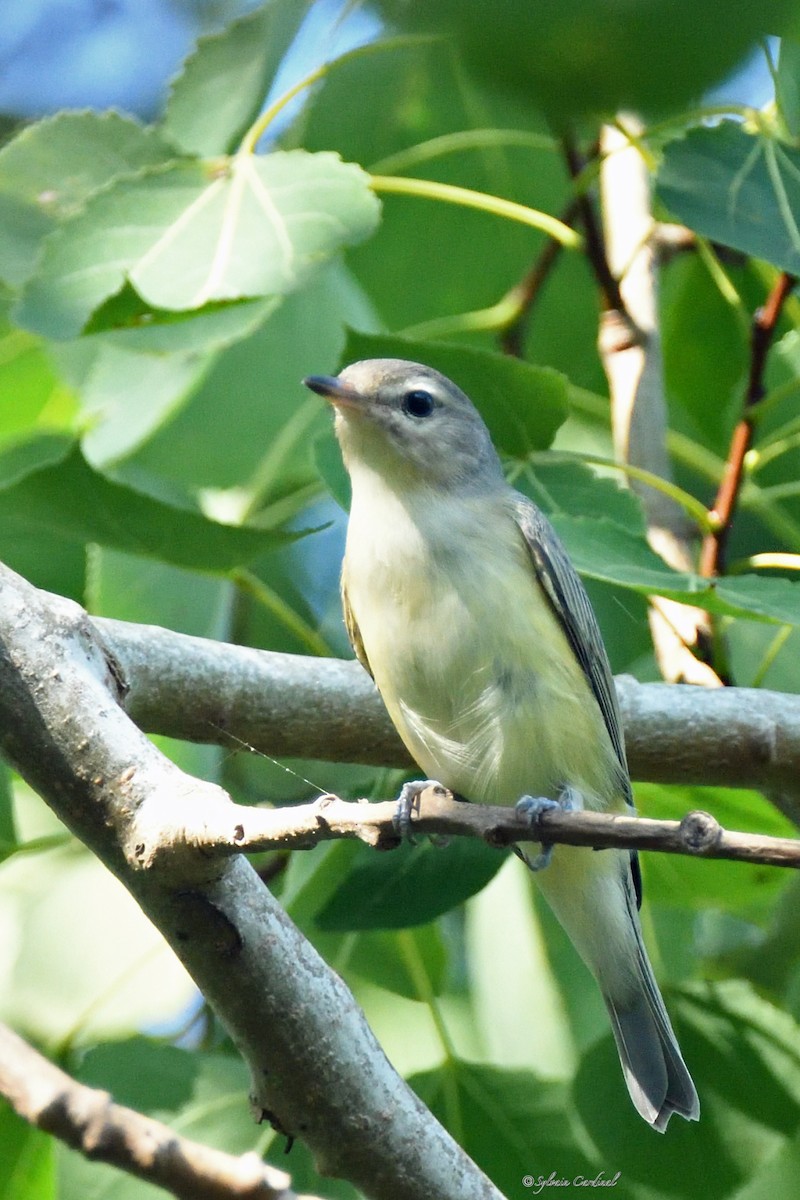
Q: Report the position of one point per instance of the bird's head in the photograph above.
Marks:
(410, 424)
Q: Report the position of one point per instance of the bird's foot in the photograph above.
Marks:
(532, 807)
(407, 801)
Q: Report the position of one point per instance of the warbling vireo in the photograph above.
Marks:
(461, 602)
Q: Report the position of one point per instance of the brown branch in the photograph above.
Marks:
(89, 1121)
(595, 244)
(237, 828)
(765, 320)
(525, 293)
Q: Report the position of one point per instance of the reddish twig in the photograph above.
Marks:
(765, 320)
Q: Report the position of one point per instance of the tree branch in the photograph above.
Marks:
(630, 349)
(233, 829)
(89, 1121)
(317, 1071)
(765, 320)
(291, 705)
(524, 294)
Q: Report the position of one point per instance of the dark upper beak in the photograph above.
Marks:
(332, 389)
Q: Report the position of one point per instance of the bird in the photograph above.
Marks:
(462, 603)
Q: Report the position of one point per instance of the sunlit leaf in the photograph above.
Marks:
(27, 1159)
(605, 551)
(194, 232)
(52, 167)
(204, 114)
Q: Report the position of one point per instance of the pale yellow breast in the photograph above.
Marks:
(470, 660)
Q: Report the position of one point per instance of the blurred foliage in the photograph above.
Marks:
(162, 291)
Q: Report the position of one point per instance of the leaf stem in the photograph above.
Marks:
(449, 193)
(262, 123)
(269, 598)
(690, 504)
(452, 143)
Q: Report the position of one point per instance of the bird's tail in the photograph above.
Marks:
(654, 1070)
(594, 898)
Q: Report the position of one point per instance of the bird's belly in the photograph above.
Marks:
(482, 684)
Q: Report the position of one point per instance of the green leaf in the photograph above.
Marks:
(577, 57)
(328, 461)
(252, 436)
(604, 551)
(776, 1176)
(409, 886)
(30, 390)
(50, 169)
(683, 882)
(8, 831)
(133, 380)
(522, 404)
(195, 232)
(787, 91)
(417, 94)
(207, 113)
(202, 1095)
(87, 963)
(408, 962)
(27, 1160)
(737, 188)
(571, 487)
(516, 987)
(705, 339)
(141, 1074)
(743, 1055)
(516, 1127)
(50, 488)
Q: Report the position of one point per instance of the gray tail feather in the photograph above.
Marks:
(654, 1070)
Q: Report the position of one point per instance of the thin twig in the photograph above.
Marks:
(595, 243)
(235, 828)
(88, 1120)
(765, 320)
(525, 293)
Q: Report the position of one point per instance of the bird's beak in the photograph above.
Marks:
(334, 391)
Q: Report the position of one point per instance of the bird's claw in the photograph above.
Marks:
(407, 801)
(532, 807)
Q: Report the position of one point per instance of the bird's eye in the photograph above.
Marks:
(418, 403)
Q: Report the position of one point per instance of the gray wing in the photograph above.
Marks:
(567, 596)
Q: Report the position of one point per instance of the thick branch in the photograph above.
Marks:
(317, 1070)
(233, 829)
(89, 1121)
(290, 705)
